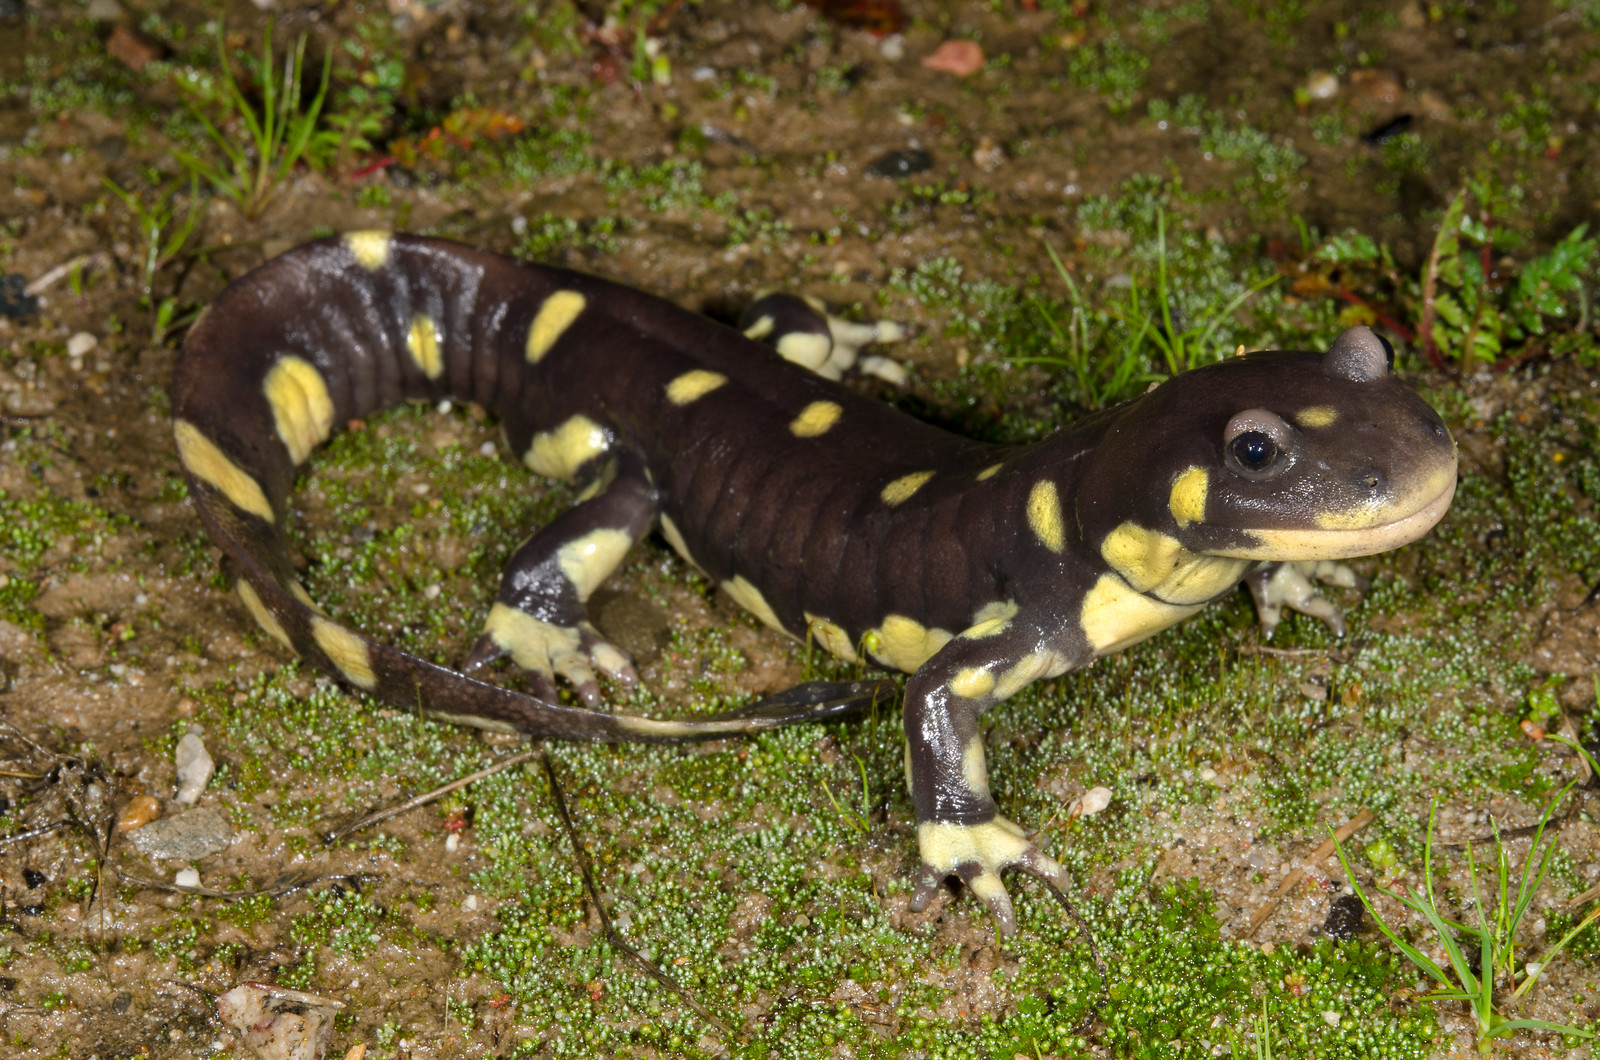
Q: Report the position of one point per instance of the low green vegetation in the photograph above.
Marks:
(278, 130)
(1501, 917)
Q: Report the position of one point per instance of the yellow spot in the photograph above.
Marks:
(900, 490)
(370, 248)
(264, 618)
(1145, 558)
(476, 721)
(904, 643)
(1114, 616)
(590, 559)
(805, 348)
(945, 845)
(692, 386)
(559, 453)
(749, 597)
(972, 682)
(761, 328)
(554, 317)
(1152, 562)
(674, 536)
(423, 342)
(991, 620)
(208, 464)
(974, 767)
(816, 418)
(345, 650)
(989, 472)
(1044, 515)
(1317, 416)
(832, 637)
(1187, 501)
(530, 642)
(302, 410)
(1030, 669)
(298, 591)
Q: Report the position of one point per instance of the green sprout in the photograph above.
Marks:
(1101, 379)
(1496, 961)
(1181, 350)
(279, 133)
(153, 222)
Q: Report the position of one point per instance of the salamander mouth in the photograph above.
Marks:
(1344, 543)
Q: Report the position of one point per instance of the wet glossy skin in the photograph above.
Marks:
(976, 568)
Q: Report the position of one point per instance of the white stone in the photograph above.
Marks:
(1322, 85)
(1090, 803)
(195, 768)
(80, 344)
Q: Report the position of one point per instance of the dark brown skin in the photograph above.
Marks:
(978, 568)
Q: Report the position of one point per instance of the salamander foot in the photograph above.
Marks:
(1279, 585)
(977, 854)
(546, 651)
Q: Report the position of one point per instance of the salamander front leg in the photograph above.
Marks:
(540, 618)
(959, 830)
(1275, 586)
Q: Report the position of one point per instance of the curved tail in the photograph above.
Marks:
(332, 331)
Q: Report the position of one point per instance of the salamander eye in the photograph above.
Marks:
(1259, 444)
(1254, 450)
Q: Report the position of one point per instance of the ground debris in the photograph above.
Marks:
(279, 1024)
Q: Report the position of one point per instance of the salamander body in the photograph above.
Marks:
(975, 568)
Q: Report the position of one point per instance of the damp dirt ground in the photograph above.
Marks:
(707, 152)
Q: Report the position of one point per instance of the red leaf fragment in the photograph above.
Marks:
(960, 57)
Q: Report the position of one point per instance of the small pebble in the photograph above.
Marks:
(892, 47)
(471, 903)
(486, 449)
(452, 842)
(987, 156)
(195, 768)
(80, 344)
(1322, 85)
(445, 407)
(1091, 802)
(140, 811)
(1345, 918)
(898, 164)
(188, 836)
(1387, 131)
(189, 877)
(1331, 1018)
(1376, 86)
(104, 11)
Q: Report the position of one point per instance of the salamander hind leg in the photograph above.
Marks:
(539, 618)
(1275, 586)
(804, 333)
(960, 831)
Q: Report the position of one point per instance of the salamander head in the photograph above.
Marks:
(1278, 456)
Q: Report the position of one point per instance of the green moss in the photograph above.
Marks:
(1111, 69)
